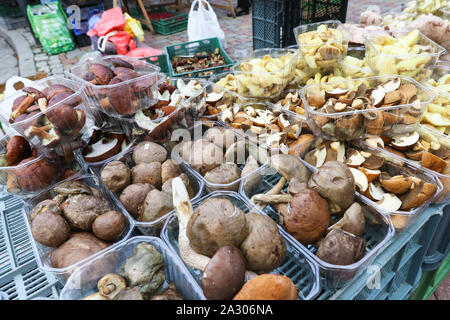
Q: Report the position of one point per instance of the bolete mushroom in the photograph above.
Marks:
(110, 285)
(352, 221)
(341, 248)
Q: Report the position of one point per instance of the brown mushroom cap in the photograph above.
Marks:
(109, 226)
(289, 167)
(308, 216)
(341, 248)
(334, 181)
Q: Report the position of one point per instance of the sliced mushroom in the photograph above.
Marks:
(421, 193)
(354, 158)
(397, 184)
(374, 192)
(360, 179)
(405, 141)
(390, 202)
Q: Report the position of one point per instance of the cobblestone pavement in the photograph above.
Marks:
(8, 65)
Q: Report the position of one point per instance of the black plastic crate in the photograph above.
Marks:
(440, 245)
(274, 20)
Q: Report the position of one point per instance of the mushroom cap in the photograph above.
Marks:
(289, 167)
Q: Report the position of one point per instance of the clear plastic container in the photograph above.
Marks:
(310, 50)
(429, 136)
(265, 84)
(198, 131)
(442, 99)
(297, 265)
(30, 178)
(123, 98)
(281, 141)
(152, 228)
(140, 127)
(83, 282)
(95, 167)
(393, 165)
(38, 129)
(377, 233)
(446, 13)
(43, 253)
(355, 71)
(355, 124)
(410, 65)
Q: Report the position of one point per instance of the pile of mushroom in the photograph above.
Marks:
(145, 188)
(270, 126)
(140, 277)
(53, 115)
(424, 149)
(392, 186)
(218, 157)
(306, 208)
(123, 99)
(333, 99)
(221, 241)
(76, 223)
(20, 176)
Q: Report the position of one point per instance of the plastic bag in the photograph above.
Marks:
(203, 23)
(144, 52)
(112, 19)
(134, 27)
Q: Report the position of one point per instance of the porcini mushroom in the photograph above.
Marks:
(352, 221)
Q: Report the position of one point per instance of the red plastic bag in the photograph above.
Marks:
(144, 52)
(123, 42)
(112, 19)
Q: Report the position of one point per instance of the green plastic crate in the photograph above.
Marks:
(431, 280)
(10, 10)
(160, 61)
(192, 47)
(167, 26)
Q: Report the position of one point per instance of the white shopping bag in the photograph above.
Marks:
(203, 23)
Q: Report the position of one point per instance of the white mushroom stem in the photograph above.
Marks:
(276, 189)
(183, 209)
(271, 198)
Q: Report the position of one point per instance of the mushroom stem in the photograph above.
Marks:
(271, 198)
(40, 131)
(276, 189)
(183, 209)
(23, 106)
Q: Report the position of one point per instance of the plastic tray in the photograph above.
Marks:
(28, 173)
(265, 84)
(66, 137)
(442, 97)
(42, 253)
(134, 129)
(291, 117)
(328, 130)
(83, 281)
(297, 265)
(428, 135)
(395, 166)
(95, 167)
(396, 271)
(20, 278)
(198, 132)
(152, 228)
(310, 49)
(378, 231)
(147, 74)
(352, 71)
(192, 47)
(387, 64)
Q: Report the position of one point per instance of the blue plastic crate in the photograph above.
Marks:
(440, 244)
(20, 278)
(398, 268)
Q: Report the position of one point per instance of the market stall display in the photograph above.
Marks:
(280, 177)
